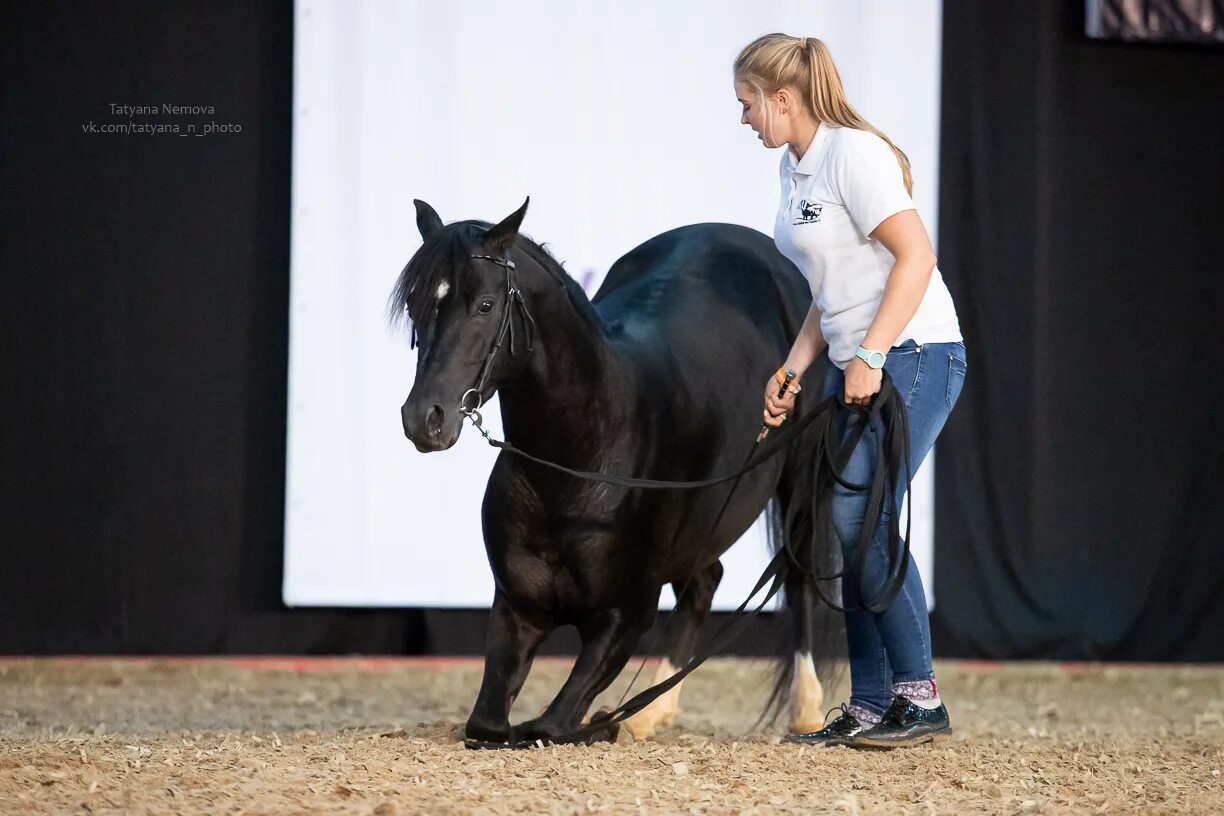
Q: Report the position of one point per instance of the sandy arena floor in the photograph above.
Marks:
(383, 737)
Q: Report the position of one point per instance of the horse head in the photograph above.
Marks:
(470, 324)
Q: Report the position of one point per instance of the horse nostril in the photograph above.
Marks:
(433, 420)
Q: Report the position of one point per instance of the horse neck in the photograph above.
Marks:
(569, 388)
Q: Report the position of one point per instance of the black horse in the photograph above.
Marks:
(658, 376)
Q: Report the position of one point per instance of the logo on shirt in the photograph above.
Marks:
(809, 212)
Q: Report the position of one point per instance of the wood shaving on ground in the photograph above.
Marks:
(112, 737)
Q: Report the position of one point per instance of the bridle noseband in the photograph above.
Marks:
(514, 297)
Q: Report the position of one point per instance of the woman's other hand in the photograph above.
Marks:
(862, 382)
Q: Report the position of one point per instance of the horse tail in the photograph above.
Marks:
(797, 519)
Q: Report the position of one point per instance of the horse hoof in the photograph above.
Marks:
(531, 733)
(644, 724)
(608, 733)
(639, 731)
(485, 745)
(486, 734)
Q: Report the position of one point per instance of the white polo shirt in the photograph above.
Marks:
(847, 183)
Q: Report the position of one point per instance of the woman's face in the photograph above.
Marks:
(760, 113)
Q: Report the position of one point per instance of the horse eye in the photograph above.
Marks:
(486, 306)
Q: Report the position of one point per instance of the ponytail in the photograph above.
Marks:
(805, 64)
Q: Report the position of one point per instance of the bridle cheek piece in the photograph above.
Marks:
(514, 298)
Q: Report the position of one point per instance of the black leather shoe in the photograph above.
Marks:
(905, 724)
(838, 732)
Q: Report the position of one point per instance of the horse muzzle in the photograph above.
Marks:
(432, 429)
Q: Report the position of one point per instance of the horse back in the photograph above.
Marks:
(697, 280)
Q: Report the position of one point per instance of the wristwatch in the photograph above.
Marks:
(875, 359)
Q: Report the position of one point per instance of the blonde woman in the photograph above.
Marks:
(847, 221)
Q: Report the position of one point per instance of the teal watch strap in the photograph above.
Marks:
(875, 359)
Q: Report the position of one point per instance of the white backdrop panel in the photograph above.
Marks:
(620, 121)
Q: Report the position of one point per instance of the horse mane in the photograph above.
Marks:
(449, 251)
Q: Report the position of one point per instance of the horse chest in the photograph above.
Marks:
(565, 545)
(570, 562)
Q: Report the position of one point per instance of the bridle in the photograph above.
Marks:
(514, 297)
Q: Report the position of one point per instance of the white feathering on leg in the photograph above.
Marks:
(662, 711)
(807, 696)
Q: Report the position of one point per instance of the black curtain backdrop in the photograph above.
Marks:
(145, 305)
(144, 324)
(1081, 480)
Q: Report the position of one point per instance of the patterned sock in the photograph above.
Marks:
(922, 693)
(864, 715)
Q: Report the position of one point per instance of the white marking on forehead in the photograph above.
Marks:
(443, 288)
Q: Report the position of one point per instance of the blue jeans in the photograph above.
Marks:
(892, 646)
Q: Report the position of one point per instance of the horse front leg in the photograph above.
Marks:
(511, 646)
(608, 640)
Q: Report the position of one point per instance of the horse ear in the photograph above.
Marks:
(428, 221)
(500, 237)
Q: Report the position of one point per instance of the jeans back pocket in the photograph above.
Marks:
(956, 379)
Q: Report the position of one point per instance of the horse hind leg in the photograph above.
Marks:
(815, 646)
(693, 599)
(806, 690)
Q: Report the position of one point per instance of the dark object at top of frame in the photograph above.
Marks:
(1199, 22)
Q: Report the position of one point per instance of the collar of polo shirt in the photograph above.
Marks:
(808, 164)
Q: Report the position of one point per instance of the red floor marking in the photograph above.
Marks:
(291, 662)
(306, 663)
(300, 663)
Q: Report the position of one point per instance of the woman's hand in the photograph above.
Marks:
(777, 410)
(862, 382)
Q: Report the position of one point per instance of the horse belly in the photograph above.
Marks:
(703, 536)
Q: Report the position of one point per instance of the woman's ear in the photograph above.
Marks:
(786, 101)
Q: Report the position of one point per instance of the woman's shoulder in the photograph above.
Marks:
(854, 142)
(859, 156)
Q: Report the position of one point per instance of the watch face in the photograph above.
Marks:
(875, 359)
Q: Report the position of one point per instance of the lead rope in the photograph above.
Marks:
(897, 457)
(775, 573)
(888, 450)
(662, 639)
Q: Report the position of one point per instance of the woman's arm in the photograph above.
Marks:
(803, 353)
(905, 237)
(808, 344)
(914, 261)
